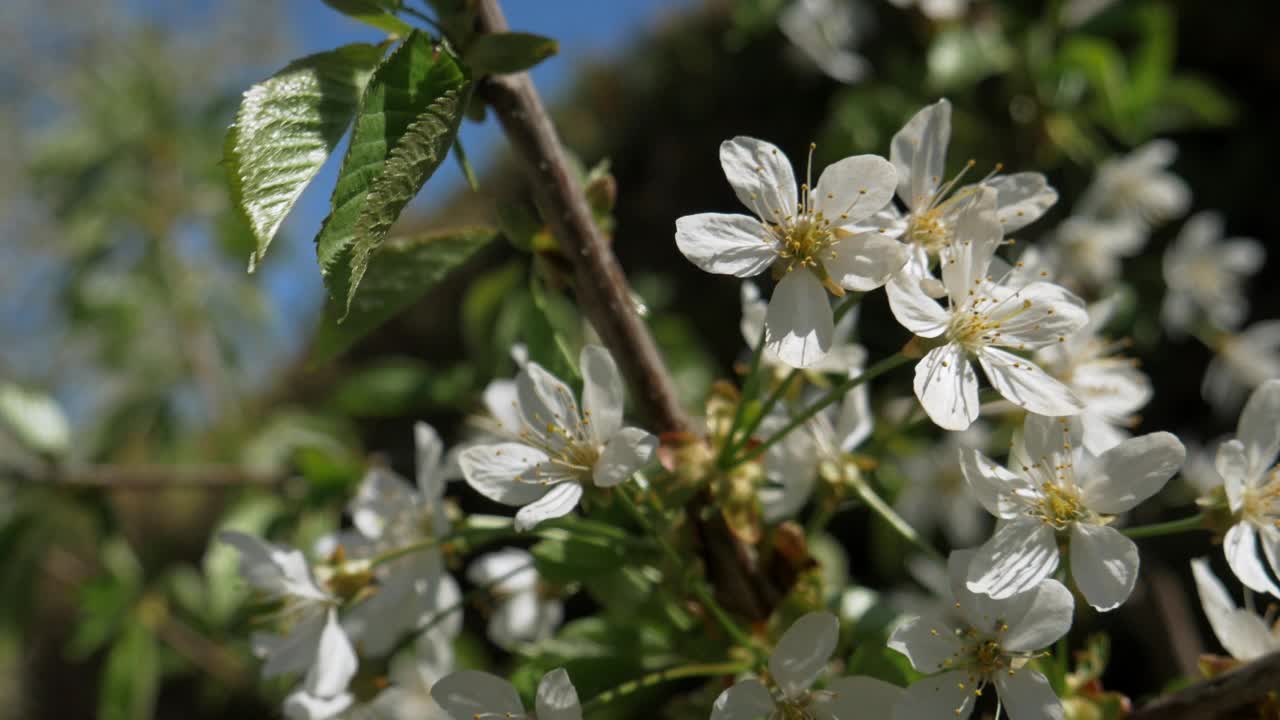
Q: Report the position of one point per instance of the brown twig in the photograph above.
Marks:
(1218, 697)
(602, 288)
(151, 476)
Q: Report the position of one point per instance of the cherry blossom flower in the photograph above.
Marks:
(1241, 632)
(1205, 275)
(1091, 249)
(1138, 187)
(525, 613)
(937, 9)
(1242, 362)
(812, 239)
(475, 694)
(801, 654)
(987, 642)
(1056, 491)
(559, 450)
(934, 494)
(412, 676)
(1112, 388)
(985, 315)
(827, 31)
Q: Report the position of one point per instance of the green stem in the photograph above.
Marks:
(832, 395)
(1195, 522)
(661, 676)
(744, 437)
(748, 391)
(850, 301)
(889, 515)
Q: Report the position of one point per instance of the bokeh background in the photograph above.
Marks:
(124, 298)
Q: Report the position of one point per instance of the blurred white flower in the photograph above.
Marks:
(1242, 633)
(983, 316)
(1242, 362)
(1090, 250)
(475, 694)
(812, 240)
(1112, 388)
(35, 418)
(1055, 490)
(1247, 466)
(934, 495)
(827, 32)
(558, 449)
(412, 676)
(936, 9)
(802, 653)
(525, 612)
(919, 152)
(1138, 187)
(313, 643)
(1205, 275)
(987, 642)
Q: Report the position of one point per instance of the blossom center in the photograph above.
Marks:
(929, 229)
(973, 329)
(1261, 505)
(1059, 505)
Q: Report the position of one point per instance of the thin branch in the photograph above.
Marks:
(603, 293)
(151, 476)
(1218, 697)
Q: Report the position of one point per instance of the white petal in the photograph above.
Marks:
(928, 642)
(1259, 427)
(602, 392)
(1036, 315)
(1104, 564)
(726, 244)
(919, 152)
(753, 309)
(501, 401)
(1232, 464)
(1027, 695)
(429, 449)
(1024, 384)
(1046, 437)
(1022, 198)
(947, 387)
(1241, 548)
(1020, 555)
(803, 651)
(761, 177)
(856, 419)
(557, 699)
(545, 400)
(977, 235)
(915, 310)
(302, 705)
(504, 472)
(798, 323)
(865, 261)
(1131, 472)
(629, 450)
(1243, 634)
(993, 486)
(1037, 618)
(275, 569)
(505, 564)
(947, 696)
(559, 501)
(748, 699)
(467, 693)
(381, 495)
(335, 660)
(854, 189)
(858, 697)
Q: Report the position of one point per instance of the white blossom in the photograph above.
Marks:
(827, 32)
(844, 355)
(1242, 362)
(934, 494)
(313, 643)
(1138, 187)
(1205, 275)
(1112, 388)
(525, 611)
(1247, 466)
(812, 239)
(1242, 633)
(412, 676)
(936, 9)
(475, 694)
(797, 660)
(1091, 250)
(559, 450)
(1054, 491)
(983, 316)
(987, 642)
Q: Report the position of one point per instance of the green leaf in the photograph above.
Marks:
(377, 13)
(508, 52)
(131, 678)
(286, 128)
(571, 559)
(400, 272)
(406, 122)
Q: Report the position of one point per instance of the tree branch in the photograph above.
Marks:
(150, 476)
(1217, 697)
(603, 293)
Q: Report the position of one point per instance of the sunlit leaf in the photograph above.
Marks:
(508, 52)
(375, 13)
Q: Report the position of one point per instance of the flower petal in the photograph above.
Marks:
(761, 177)
(1241, 548)
(1021, 198)
(919, 152)
(913, 309)
(546, 401)
(1243, 634)
(865, 261)
(503, 569)
(1104, 564)
(1036, 618)
(949, 695)
(1036, 315)
(977, 235)
(854, 189)
(748, 699)
(559, 501)
(1259, 427)
(1024, 384)
(803, 651)
(504, 472)
(1027, 695)
(602, 392)
(1232, 464)
(335, 663)
(947, 387)
(302, 705)
(726, 244)
(993, 486)
(557, 699)
(1131, 472)
(468, 693)
(429, 449)
(627, 451)
(1020, 555)
(272, 568)
(798, 323)
(858, 697)
(928, 642)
